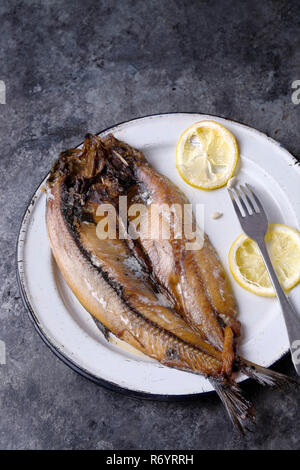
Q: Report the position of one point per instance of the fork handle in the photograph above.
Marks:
(291, 318)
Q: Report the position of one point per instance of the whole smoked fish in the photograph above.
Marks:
(173, 304)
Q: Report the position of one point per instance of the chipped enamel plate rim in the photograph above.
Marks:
(69, 330)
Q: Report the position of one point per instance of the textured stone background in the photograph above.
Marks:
(77, 66)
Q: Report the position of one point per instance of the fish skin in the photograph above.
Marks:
(100, 293)
(195, 279)
(137, 290)
(85, 166)
(202, 286)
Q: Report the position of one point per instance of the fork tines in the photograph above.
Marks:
(245, 202)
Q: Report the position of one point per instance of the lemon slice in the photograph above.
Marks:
(206, 155)
(248, 268)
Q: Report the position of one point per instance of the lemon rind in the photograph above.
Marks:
(233, 140)
(247, 286)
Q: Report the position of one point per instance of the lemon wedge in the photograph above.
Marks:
(206, 155)
(248, 268)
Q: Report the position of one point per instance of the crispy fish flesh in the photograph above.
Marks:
(126, 286)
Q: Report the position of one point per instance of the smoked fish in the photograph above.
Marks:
(171, 303)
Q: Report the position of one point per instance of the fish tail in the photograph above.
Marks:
(240, 410)
(266, 376)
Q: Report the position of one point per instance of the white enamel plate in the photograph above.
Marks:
(69, 329)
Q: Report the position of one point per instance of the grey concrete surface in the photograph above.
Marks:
(77, 66)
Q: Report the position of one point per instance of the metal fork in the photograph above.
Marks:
(254, 223)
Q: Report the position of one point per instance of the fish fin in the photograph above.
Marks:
(240, 410)
(105, 331)
(266, 376)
